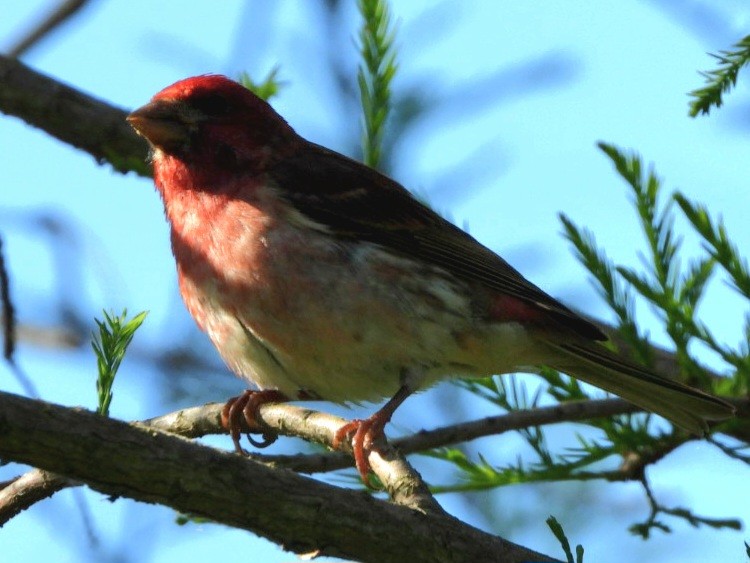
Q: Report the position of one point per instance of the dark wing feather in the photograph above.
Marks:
(357, 202)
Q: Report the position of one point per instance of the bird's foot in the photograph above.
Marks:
(364, 433)
(245, 407)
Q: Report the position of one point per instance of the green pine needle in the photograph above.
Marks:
(673, 291)
(721, 79)
(718, 243)
(375, 75)
(110, 345)
(608, 284)
(557, 529)
(266, 88)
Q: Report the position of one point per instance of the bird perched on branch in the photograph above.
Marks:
(318, 277)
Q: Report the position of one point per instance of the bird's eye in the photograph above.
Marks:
(212, 104)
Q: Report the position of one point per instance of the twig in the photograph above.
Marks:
(7, 311)
(28, 489)
(59, 15)
(9, 329)
(403, 484)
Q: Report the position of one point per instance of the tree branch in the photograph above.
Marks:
(402, 483)
(72, 117)
(28, 489)
(296, 512)
(314, 426)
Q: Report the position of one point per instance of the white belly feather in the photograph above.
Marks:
(294, 311)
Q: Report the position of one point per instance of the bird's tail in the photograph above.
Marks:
(682, 405)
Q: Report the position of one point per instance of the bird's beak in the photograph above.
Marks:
(165, 124)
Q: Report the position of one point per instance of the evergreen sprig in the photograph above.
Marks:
(375, 75)
(266, 88)
(557, 529)
(110, 345)
(721, 79)
(609, 285)
(673, 291)
(717, 243)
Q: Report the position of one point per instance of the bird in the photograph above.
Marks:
(318, 277)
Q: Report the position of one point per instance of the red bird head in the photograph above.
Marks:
(212, 121)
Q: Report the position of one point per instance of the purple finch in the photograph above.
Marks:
(318, 277)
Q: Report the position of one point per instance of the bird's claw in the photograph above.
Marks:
(365, 433)
(267, 438)
(245, 409)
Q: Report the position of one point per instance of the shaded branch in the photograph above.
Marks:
(272, 416)
(7, 310)
(313, 426)
(72, 117)
(296, 512)
(401, 482)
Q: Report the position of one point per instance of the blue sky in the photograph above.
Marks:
(523, 93)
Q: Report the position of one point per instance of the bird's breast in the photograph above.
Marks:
(291, 307)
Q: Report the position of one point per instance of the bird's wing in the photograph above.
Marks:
(354, 201)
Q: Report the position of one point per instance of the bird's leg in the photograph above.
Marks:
(367, 431)
(246, 406)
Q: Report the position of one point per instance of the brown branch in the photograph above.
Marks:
(7, 310)
(400, 480)
(71, 116)
(54, 337)
(403, 486)
(452, 434)
(313, 426)
(28, 489)
(402, 483)
(296, 512)
(200, 421)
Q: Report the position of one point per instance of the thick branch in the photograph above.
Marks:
(403, 485)
(301, 514)
(71, 116)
